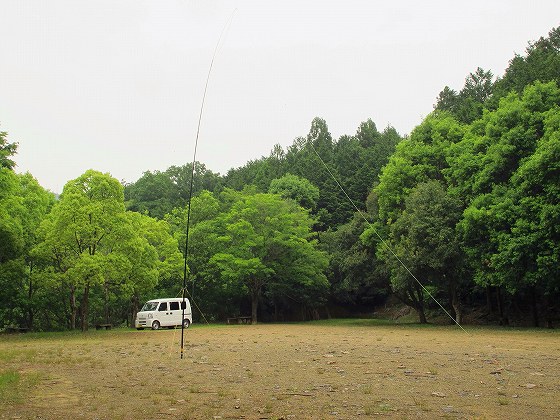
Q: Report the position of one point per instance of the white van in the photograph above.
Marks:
(159, 313)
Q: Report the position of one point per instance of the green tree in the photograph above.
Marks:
(356, 277)
(23, 203)
(500, 215)
(158, 193)
(424, 238)
(212, 296)
(298, 189)
(79, 235)
(152, 194)
(541, 62)
(265, 243)
(11, 229)
(529, 252)
(359, 160)
(37, 203)
(11, 246)
(421, 159)
(151, 261)
(7, 150)
(467, 105)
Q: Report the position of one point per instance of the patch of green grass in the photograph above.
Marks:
(350, 322)
(267, 408)
(9, 381)
(400, 324)
(369, 410)
(8, 355)
(385, 407)
(13, 385)
(433, 371)
(367, 390)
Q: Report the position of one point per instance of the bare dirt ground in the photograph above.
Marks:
(342, 370)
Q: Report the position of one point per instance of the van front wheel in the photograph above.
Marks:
(156, 325)
(186, 323)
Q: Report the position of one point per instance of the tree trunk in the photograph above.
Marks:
(548, 311)
(456, 303)
(85, 308)
(106, 302)
(421, 314)
(30, 308)
(413, 298)
(73, 308)
(315, 314)
(418, 299)
(489, 306)
(500, 301)
(135, 307)
(255, 294)
(534, 308)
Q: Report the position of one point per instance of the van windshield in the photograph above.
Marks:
(149, 306)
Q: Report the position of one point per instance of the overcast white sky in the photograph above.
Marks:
(117, 86)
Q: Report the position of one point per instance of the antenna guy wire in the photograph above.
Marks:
(380, 238)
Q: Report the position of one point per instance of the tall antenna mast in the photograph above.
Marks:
(185, 268)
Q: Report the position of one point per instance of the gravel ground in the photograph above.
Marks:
(320, 370)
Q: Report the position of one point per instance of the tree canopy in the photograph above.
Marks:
(464, 210)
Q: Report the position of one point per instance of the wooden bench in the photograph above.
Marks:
(103, 326)
(13, 329)
(240, 320)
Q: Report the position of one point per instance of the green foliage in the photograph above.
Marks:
(469, 202)
(501, 175)
(355, 274)
(11, 229)
(265, 245)
(355, 161)
(158, 193)
(418, 159)
(503, 236)
(23, 204)
(96, 249)
(424, 239)
(248, 245)
(7, 150)
(467, 105)
(298, 189)
(540, 63)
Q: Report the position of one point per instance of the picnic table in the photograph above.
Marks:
(16, 329)
(240, 320)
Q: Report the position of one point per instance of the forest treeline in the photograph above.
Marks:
(465, 210)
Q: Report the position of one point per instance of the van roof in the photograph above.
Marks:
(180, 299)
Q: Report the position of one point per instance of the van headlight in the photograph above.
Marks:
(150, 316)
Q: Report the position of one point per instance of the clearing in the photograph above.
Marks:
(328, 370)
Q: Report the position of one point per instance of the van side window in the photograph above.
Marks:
(183, 304)
(173, 306)
(163, 306)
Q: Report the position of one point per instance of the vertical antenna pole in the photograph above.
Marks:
(183, 305)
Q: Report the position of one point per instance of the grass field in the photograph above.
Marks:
(327, 370)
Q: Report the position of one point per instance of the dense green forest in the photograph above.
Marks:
(466, 210)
